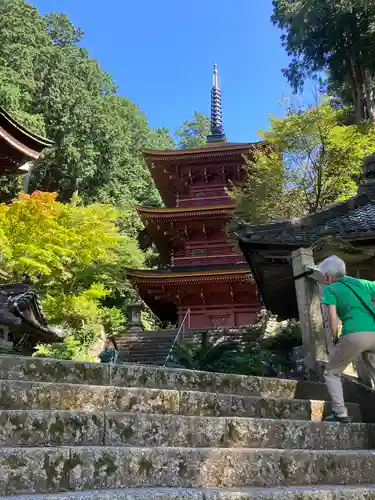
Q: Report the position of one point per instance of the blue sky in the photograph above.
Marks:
(161, 54)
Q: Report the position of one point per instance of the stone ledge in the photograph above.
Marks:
(130, 375)
(308, 493)
(74, 428)
(85, 468)
(15, 395)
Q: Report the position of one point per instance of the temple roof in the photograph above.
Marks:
(164, 165)
(202, 212)
(354, 218)
(207, 151)
(201, 274)
(347, 229)
(17, 144)
(160, 289)
(24, 300)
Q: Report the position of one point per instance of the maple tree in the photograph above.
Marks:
(76, 256)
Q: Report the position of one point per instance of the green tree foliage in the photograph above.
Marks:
(76, 257)
(337, 36)
(193, 133)
(259, 352)
(50, 84)
(211, 357)
(314, 161)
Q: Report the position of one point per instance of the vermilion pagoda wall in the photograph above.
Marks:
(226, 315)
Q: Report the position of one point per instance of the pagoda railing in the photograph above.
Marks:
(180, 332)
(205, 201)
(207, 260)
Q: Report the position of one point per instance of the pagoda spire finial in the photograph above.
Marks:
(217, 130)
(215, 79)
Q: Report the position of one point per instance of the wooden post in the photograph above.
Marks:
(314, 338)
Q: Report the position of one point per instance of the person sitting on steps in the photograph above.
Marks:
(349, 299)
(110, 351)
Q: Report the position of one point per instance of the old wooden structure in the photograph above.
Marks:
(281, 256)
(22, 323)
(203, 272)
(18, 146)
(346, 229)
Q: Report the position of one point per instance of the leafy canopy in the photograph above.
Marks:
(193, 133)
(49, 83)
(76, 257)
(316, 161)
(335, 36)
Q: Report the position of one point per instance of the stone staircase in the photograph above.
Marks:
(146, 347)
(153, 347)
(87, 431)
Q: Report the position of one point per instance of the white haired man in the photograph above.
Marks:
(349, 299)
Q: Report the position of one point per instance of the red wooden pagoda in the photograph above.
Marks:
(205, 274)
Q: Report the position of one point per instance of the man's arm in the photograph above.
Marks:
(332, 321)
(329, 302)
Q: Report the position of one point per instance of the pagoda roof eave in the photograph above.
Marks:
(206, 149)
(232, 273)
(149, 212)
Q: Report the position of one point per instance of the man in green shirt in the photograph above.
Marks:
(349, 299)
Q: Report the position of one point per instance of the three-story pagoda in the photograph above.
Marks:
(205, 273)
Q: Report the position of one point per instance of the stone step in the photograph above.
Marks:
(73, 428)
(292, 493)
(15, 395)
(133, 375)
(50, 470)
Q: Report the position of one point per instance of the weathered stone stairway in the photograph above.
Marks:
(88, 431)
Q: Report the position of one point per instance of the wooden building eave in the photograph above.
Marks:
(213, 211)
(230, 155)
(212, 150)
(346, 229)
(17, 144)
(165, 290)
(230, 275)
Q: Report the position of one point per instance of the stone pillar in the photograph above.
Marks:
(314, 338)
(134, 316)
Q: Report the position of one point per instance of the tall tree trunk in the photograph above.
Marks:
(368, 84)
(356, 84)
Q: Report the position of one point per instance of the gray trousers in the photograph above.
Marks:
(348, 349)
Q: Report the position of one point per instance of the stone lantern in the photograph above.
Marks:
(134, 316)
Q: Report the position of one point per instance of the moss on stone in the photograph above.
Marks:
(133, 401)
(145, 465)
(182, 468)
(284, 467)
(39, 425)
(57, 428)
(18, 420)
(143, 379)
(233, 433)
(162, 378)
(174, 402)
(126, 432)
(52, 469)
(106, 462)
(16, 461)
(96, 420)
